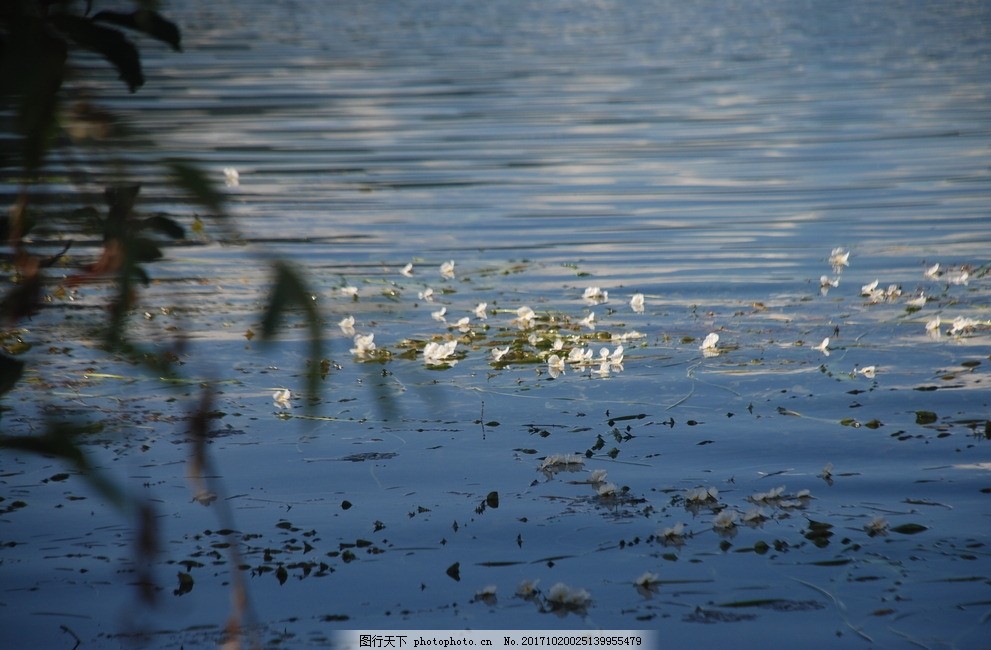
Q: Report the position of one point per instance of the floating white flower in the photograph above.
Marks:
(463, 324)
(347, 325)
(606, 490)
(770, 495)
(595, 295)
(525, 318)
(231, 177)
(868, 289)
(437, 354)
(527, 589)
(281, 398)
(823, 347)
(702, 495)
(839, 257)
(561, 595)
(579, 355)
(558, 344)
(588, 321)
(877, 526)
(754, 516)
(499, 353)
(724, 520)
(427, 294)
(407, 270)
(439, 315)
(674, 534)
(637, 303)
(558, 461)
(932, 272)
(647, 580)
(825, 282)
(555, 366)
(349, 291)
(919, 302)
(962, 324)
(597, 476)
(480, 311)
(363, 344)
(709, 344)
(932, 327)
(958, 278)
(868, 371)
(486, 593)
(447, 270)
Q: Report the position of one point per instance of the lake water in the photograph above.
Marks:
(710, 156)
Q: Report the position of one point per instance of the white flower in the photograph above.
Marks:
(823, 347)
(725, 520)
(597, 476)
(868, 371)
(588, 321)
(606, 490)
(932, 272)
(579, 355)
(524, 317)
(437, 354)
(636, 303)
(555, 366)
(877, 526)
(439, 315)
(826, 283)
(447, 270)
(480, 310)
(595, 295)
(962, 324)
(827, 471)
(868, 289)
(427, 294)
(363, 344)
(961, 277)
(770, 495)
(917, 302)
(498, 354)
(647, 580)
(674, 533)
(754, 515)
(561, 595)
(839, 257)
(527, 589)
(349, 291)
(407, 270)
(558, 344)
(347, 325)
(562, 460)
(709, 343)
(932, 327)
(702, 495)
(487, 592)
(463, 324)
(231, 177)
(281, 398)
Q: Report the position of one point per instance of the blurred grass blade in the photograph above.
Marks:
(191, 179)
(147, 21)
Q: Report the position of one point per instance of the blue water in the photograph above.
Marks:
(707, 155)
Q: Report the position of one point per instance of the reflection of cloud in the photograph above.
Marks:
(977, 466)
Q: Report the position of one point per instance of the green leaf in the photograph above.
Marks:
(147, 21)
(109, 43)
(190, 178)
(909, 529)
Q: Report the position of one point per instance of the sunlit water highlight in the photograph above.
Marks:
(708, 155)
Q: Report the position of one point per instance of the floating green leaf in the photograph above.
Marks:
(909, 529)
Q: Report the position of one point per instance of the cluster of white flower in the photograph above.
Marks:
(562, 461)
(776, 497)
(440, 354)
(702, 495)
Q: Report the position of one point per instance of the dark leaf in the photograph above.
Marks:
(10, 372)
(454, 571)
(164, 225)
(145, 20)
(909, 529)
(110, 43)
(189, 178)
